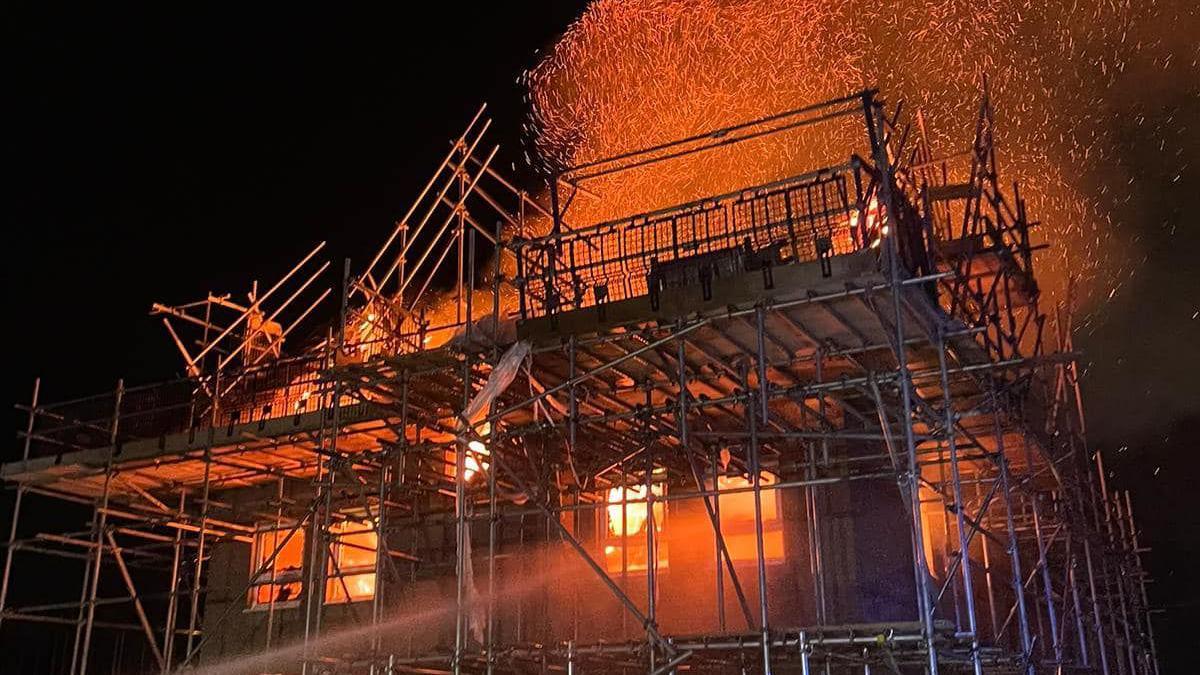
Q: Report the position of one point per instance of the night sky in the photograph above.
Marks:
(155, 157)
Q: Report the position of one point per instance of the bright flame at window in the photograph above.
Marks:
(635, 511)
(737, 518)
(280, 582)
(625, 546)
(355, 548)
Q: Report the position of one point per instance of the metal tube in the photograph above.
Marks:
(1096, 616)
(764, 386)
(16, 513)
(493, 521)
(960, 520)
(402, 224)
(1141, 575)
(315, 593)
(173, 601)
(1047, 588)
(137, 602)
(229, 607)
(716, 518)
(381, 555)
(876, 133)
(651, 553)
(449, 219)
(100, 531)
(713, 507)
(813, 495)
(1119, 582)
(89, 560)
(314, 552)
(257, 301)
(198, 567)
(460, 529)
(756, 473)
(1014, 552)
(416, 233)
(1080, 634)
(582, 551)
(597, 370)
(271, 586)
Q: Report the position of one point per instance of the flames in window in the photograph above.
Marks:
(352, 563)
(625, 528)
(280, 582)
(737, 518)
(625, 499)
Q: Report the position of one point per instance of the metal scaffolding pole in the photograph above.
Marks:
(756, 478)
(168, 647)
(100, 532)
(1141, 581)
(1014, 550)
(10, 548)
(877, 132)
(198, 567)
(964, 552)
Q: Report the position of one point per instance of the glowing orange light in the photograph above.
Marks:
(625, 551)
(737, 518)
(476, 449)
(635, 511)
(283, 576)
(354, 552)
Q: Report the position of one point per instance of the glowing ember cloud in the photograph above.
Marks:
(633, 73)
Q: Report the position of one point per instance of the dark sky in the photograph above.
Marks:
(154, 157)
(163, 156)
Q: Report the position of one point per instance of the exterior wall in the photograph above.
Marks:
(547, 594)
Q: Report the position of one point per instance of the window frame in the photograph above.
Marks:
(271, 578)
(336, 574)
(773, 523)
(636, 541)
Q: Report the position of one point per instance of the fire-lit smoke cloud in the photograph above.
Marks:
(633, 73)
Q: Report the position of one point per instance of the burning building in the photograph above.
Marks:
(699, 410)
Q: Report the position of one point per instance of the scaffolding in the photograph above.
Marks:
(854, 345)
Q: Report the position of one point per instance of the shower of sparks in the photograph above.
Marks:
(633, 73)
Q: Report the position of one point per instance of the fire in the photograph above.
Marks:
(634, 73)
(476, 452)
(635, 511)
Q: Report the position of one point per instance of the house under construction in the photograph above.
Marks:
(815, 424)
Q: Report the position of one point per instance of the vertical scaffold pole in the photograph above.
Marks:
(382, 551)
(877, 133)
(493, 513)
(756, 477)
(271, 586)
(1096, 615)
(1106, 576)
(813, 493)
(651, 549)
(1077, 605)
(460, 508)
(320, 541)
(100, 531)
(16, 513)
(1141, 577)
(173, 600)
(1014, 551)
(959, 510)
(201, 550)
